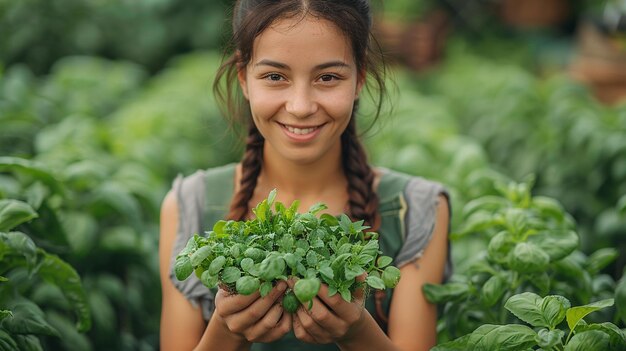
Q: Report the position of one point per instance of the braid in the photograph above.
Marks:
(250, 170)
(362, 198)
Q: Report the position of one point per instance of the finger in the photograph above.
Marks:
(233, 303)
(300, 332)
(359, 294)
(268, 322)
(340, 306)
(312, 327)
(323, 315)
(281, 328)
(257, 310)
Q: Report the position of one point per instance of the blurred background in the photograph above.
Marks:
(103, 103)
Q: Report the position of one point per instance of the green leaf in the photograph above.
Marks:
(271, 197)
(306, 289)
(539, 312)
(553, 308)
(6, 342)
(459, 344)
(28, 318)
(617, 338)
(290, 302)
(182, 267)
(58, 272)
(5, 314)
(247, 285)
(81, 230)
(265, 288)
(14, 213)
(592, 340)
(200, 255)
(317, 208)
(383, 261)
(511, 337)
(230, 275)
(493, 290)
(18, 243)
(218, 228)
(620, 298)
(371, 248)
(39, 172)
(375, 282)
(345, 294)
(28, 343)
(500, 246)
(246, 264)
(327, 271)
(600, 259)
(216, 265)
(446, 292)
(210, 281)
(575, 314)
(70, 338)
(329, 220)
(556, 243)
(271, 267)
(254, 253)
(548, 339)
(528, 258)
(311, 258)
(391, 276)
(549, 207)
(353, 270)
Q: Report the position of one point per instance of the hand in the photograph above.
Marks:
(331, 319)
(254, 318)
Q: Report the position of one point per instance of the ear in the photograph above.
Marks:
(360, 82)
(241, 77)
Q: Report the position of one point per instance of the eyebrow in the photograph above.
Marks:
(281, 65)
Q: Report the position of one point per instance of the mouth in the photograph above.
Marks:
(301, 130)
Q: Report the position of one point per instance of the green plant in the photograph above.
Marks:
(544, 315)
(531, 247)
(246, 256)
(26, 319)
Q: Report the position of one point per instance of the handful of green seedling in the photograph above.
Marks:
(246, 256)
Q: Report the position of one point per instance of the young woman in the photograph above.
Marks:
(300, 66)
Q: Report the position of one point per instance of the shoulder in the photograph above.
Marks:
(193, 187)
(415, 189)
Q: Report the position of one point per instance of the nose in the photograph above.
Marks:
(301, 101)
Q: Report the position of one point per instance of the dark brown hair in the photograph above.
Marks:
(353, 18)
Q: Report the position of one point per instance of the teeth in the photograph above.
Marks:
(300, 131)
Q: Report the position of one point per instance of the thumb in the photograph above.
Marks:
(359, 294)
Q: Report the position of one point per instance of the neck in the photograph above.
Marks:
(303, 181)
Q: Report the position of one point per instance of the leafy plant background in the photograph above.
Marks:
(103, 103)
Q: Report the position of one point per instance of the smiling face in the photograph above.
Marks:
(301, 83)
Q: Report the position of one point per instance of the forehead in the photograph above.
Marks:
(302, 40)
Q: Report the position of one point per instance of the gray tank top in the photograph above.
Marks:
(416, 209)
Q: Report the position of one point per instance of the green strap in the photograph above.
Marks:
(220, 187)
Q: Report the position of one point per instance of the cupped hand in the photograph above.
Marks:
(252, 317)
(331, 319)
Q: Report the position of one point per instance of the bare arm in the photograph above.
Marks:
(182, 325)
(413, 320)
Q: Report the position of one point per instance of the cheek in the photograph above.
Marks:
(264, 104)
(339, 106)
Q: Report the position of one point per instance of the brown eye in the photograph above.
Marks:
(274, 77)
(327, 78)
